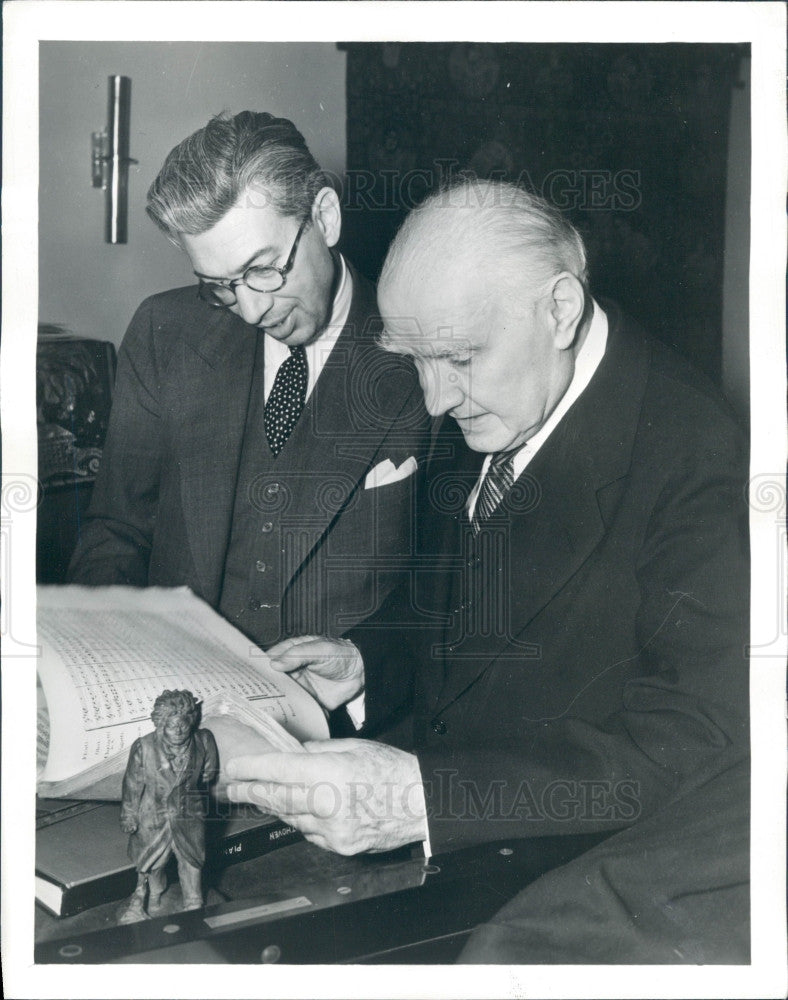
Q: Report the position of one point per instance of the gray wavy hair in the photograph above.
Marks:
(205, 175)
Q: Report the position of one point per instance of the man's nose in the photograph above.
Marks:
(251, 305)
(440, 386)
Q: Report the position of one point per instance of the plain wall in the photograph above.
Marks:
(92, 287)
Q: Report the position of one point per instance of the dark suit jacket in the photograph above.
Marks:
(163, 504)
(169, 807)
(586, 654)
(673, 888)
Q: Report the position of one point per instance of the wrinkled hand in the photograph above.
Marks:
(128, 825)
(331, 670)
(346, 796)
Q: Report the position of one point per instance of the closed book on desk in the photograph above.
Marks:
(81, 860)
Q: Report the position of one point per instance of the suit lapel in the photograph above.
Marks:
(554, 516)
(217, 369)
(354, 403)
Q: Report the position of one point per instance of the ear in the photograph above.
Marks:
(327, 215)
(567, 301)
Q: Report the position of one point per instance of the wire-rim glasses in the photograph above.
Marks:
(266, 278)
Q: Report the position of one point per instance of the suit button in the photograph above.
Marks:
(439, 727)
(260, 566)
(271, 490)
(268, 526)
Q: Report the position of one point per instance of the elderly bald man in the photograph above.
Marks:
(569, 651)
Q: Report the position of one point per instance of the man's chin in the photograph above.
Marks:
(281, 331)
(292, 334)
(487, 443)
(475, 436)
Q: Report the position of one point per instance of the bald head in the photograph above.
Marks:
(484, 286)
(512, 239)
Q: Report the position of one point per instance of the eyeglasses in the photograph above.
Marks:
(260, 279)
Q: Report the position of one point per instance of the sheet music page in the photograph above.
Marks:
(108, 652)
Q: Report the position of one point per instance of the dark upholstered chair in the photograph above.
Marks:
(74, 379)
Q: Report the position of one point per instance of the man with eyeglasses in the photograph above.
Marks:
(262, 447)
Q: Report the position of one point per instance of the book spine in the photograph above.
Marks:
(243, 846)
(253, 843)
(76, 898)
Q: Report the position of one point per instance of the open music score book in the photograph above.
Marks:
(108, 652)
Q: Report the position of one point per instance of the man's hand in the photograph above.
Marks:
(346, 796)
(128, 825)
(331, 670)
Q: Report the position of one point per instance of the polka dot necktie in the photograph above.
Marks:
(286, 399)
(496, 483)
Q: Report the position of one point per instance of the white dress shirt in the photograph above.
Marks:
(586, 363)
(318, 351)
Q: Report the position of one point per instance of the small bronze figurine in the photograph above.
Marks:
(164, 802)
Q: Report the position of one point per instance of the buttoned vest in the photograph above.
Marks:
(264, 550)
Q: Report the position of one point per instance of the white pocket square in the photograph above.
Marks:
(385, 473)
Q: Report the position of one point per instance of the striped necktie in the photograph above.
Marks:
(286, 399)
(497, 482)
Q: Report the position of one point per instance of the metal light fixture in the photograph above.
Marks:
(110, 159)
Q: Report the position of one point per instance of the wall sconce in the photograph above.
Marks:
(110, 159)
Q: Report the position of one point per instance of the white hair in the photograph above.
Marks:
(492, 226)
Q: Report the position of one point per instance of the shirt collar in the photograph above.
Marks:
(318, 351)
(586, 363)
